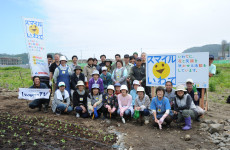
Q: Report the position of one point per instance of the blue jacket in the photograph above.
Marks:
(134, 95)
(107, 80)
(42, 86)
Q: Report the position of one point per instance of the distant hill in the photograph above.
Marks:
(211, 48)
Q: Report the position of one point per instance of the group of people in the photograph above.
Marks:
(116, 90)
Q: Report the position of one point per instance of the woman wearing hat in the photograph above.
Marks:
(120, 73)
(110, 103)
(94, 101)
(133, 92)
(62, 73)
(125, 104)
(142, 104)
(106, 77)
(161, 108)
(117, 87)
(61, 102)
(184, 107)
(108, 64)
(96, 80)
(76, 76)
(89, 68)
(80, 100)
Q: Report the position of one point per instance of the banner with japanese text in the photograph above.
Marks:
(34, 35)
(177, 68)
(32, 94)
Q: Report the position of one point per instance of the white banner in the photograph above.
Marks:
(177, 68)
(34, 34)
(32, 94)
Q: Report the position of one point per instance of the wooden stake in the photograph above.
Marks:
(202, 99)
(153, 91)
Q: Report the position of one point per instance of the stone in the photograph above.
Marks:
(216, 141)
(228, 120)
(203, 125)
(208, 121)
(227, 128)
(118, 124)
(215, 128)
(221, 144)
(187, 137)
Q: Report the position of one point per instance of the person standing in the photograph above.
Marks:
(106, 77)
(74, 64)
(117, 57)
(63, 73)
(212, 67)
(143, 58)
(120, 74)
(89, 68)
(49, 59)
(128, 66)
(52, 68)
(108, 64)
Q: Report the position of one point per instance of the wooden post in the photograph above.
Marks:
(202, 99)
(153, 91)
(206, 104)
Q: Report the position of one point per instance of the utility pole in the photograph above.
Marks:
(81, 55)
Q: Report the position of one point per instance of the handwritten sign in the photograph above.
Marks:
(35, 44)
(177, 68)
(32, 94)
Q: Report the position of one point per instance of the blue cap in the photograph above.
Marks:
(117, 84)
(211, 56)
(95, 86)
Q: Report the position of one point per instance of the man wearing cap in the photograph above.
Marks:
(114, 66)
(74, 64)
(212, 67)
(96, 80)
(88, 69)
(39, 102)
(61, 102)
(138, 73)
(192, 91)
(76, 76)
(62, 73)
(106, 77)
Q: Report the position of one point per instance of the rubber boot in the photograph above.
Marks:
(187, 123)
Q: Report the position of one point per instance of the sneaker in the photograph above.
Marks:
(146, 121)
(58, 114)
(123, 120)
(77, 115)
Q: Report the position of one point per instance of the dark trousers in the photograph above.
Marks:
(38, 103)
(79, 110)
(145, 112)
(168, 120)
(106, 113)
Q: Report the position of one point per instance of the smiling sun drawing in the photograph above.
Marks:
(161, 69)
(34, 29)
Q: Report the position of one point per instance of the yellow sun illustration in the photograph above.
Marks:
(161, 69)
(34, 29)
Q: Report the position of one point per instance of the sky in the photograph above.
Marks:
(89, 28)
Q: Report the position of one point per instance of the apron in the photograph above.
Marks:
(64, 77)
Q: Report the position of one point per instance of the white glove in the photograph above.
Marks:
(50, 83)
(142, 107)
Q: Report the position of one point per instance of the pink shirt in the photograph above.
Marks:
(124, 101)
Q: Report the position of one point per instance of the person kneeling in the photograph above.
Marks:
(80, 100)
(125, 104)
(184, 107)
(110, 103)
(94, 102)
(142, 104)
(161, 109)
(61, 102)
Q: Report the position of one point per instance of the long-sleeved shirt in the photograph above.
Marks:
(75, 78)
(138, 74)
(94, 99)
(99, 81)
(134, 95)
(88, 70)
(120, 75)
(145, 101)
(107, 80)
(124, 102)
(185, 102)
(80, 98)
(56, 72)
(57, 101)
(110, 100)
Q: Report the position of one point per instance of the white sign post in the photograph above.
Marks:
(34, 35)
(177, 68)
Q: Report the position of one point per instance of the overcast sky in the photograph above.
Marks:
(116, 26)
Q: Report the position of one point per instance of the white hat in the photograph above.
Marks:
(95, 72)
(189, 80)
(110, 87)
(61, 84)
(136, 82)
(80, 83)
(140, 89)
(63, 58)
(180, 88)
(124, 87)
(104, 68)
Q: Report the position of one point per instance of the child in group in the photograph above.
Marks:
(161, 108)
(142, 104)
(133, 92)
(96, 80)
(61, 102)
(80, 100)
(117, 89)
(94, 102)
(110, 103)
(125, 104)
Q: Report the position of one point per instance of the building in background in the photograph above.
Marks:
(10, 61)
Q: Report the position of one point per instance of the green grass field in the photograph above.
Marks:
(10, 78)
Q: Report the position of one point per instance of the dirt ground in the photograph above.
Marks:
(136, 136)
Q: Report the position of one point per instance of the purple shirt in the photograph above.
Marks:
(99, 81)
